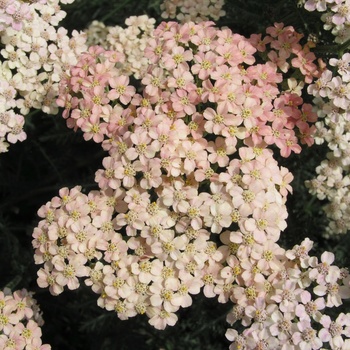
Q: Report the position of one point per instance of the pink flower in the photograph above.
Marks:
(323, 272)
(258, 42)
(160, 318)
(18, 14)
(286, 296)
(332, 331)
(147, 270)
(288, 144)
(68, 273)
(282, 325)
(210, 277)
(220, 150)
(151, 173)
(309, 309)
(121, 90)
(268, 256)
(8, 320)
(218, 216)
(246, 200)
(177, 58)
(212, 93)
(244, 52)
(30, 332)
(264, 74)
(194, 154)
(12, 340)
(125, 171)
(305, 62)
(183, 103)
(47, 278)
(182, 296)
(286, 43)
(194, 210)
(257, 312)
(279, 60)
(177, 195)
(334, 293)
(16, 133)
(339, 93)
(22, 303)
(38, 345)
(204, 64)
(217, 121)
(342, 65)
(306, 337)
(301, 252)
(341, 13)
(181, 78)
(134, 220)
(93, 129)
(239, 341)
(169, 247)
(319, 5)
(154, 82)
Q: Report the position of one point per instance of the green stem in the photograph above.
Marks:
(14, 283)
(333, 48)
(115, 11)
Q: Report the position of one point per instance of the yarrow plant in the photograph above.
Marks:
(332, 100)
(130, 41)
(190, 196)
(180, 78)
(20, 321)
(336, 16)
(35, 52)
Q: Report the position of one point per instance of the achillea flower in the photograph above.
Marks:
(190, 197)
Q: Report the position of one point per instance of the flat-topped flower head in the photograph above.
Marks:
(190, 196)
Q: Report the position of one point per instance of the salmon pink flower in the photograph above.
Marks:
(194, 154)
(220, 151)
(189, 159)
(205, 63)
(121, 90)
(67, 274)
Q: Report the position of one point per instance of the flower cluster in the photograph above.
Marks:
(20, 321)
(13, 12)
(332, 99)
(287, 312)
(336, 16)
(147, 241)
(34, 56)
(89, 91)
(190, 197)
(130, 41)
(204, 75)
(195, 10)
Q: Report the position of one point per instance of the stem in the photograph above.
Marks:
(331, 48)
(14, 283)
(115, 11)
